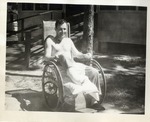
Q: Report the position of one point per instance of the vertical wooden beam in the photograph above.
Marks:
(137, 8)
(22, 30)
(117, 8)
(19, 22)
(64, 12)
(27, 48)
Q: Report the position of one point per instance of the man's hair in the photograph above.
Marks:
(60, 22)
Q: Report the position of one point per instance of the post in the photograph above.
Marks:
(64, 12)
(88, 29)
(22, 30)
(27, 48)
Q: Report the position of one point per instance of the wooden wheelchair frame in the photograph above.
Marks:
(52, 84)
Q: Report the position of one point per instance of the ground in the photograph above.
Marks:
(125, 76)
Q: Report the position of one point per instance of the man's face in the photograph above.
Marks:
(62, 30)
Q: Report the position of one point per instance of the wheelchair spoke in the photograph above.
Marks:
(52, 86)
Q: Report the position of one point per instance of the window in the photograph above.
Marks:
(107, 7)
(41, 6)
(142, 8)
(127, 8)
(55, 7)
(27, 6)
(124, 8)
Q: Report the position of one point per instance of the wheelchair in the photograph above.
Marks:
(52, 84)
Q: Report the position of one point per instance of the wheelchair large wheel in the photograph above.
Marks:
(52, 86)
(103, 86)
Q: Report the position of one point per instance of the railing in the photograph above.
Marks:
(26, 33)
(23, 29)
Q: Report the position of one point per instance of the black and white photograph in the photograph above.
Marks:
(72, 58)
(75, 58)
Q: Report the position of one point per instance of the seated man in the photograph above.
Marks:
(83, 78)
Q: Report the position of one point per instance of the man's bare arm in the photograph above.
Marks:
(48, 50)
(79, 55)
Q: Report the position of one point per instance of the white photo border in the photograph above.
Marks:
(69, 117)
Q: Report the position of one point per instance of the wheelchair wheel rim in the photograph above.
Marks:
(94, 63)
(53, 84)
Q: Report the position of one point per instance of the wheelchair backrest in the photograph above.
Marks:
(49, 29)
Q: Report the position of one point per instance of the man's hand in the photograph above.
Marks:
(88, 56)
(52, 58)
(56, 57)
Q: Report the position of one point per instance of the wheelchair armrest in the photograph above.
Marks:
(81, 60)
(50, 62)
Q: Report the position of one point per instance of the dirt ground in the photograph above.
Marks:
(125, 76)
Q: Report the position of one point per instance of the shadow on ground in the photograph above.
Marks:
(125, 75)
(30, 100)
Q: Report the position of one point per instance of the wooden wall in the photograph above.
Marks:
(122, 27)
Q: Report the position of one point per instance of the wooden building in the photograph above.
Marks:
(114, 26)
